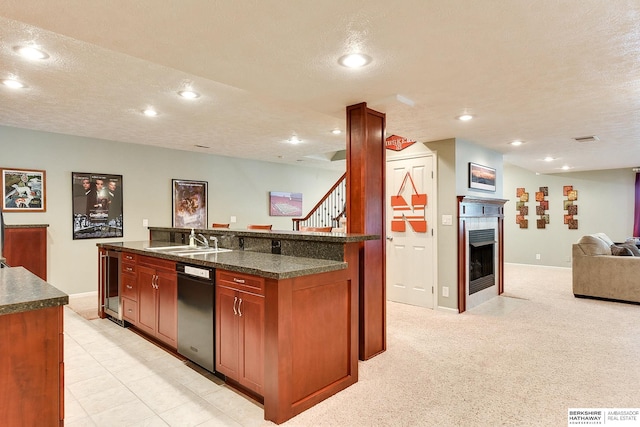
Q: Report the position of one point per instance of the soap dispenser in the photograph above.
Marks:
(192, 239)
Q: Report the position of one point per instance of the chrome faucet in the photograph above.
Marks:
(215, 242)
(204, 241)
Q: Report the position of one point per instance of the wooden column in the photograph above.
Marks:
(365, 214)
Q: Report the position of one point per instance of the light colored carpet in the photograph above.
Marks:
(522, 359)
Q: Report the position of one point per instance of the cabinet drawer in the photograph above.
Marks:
(128, 257)
(130, 310)
(157, 263)
(240, 281)
(129, 286)
(128, 268)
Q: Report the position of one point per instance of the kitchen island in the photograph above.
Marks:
(296, 336)
(31, 360)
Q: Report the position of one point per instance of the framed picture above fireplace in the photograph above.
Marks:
(482, 177)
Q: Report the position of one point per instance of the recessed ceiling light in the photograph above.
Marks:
(549, 159)
(336, 131)
(13, 84)
(516, 143)
(566, 167)
(294, 140)
(354, 60)
(30, 52)
(150, 112)
(189, 94)
(465, 117)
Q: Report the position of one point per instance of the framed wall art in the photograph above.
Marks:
(189, 203)
(97, 205)
(285, 204)
(482, 177)
(23, 190)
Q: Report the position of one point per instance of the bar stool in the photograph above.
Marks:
(323, 229)
(258, 227)
(216, 225)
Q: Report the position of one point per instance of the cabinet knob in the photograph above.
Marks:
(129, 287)
(238, 280)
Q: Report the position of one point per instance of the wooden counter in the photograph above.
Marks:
(31, 360)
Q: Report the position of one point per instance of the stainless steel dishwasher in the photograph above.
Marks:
(196, 308)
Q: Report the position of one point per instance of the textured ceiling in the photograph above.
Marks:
(543, 72)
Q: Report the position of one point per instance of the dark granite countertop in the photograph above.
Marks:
(21, 290)
(27, 226)
(313, 236)
(257, 263)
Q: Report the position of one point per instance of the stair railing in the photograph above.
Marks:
(329, 210)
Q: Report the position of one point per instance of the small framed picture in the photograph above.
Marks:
(190, 204)
(482, 177)
(23, 190)
(285, 204)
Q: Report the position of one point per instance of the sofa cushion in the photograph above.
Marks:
(632, 247)
(619, 250)
(593, 245)
(604, 238)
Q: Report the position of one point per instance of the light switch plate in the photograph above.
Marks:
(232, 219)
(447, 219)
(145, 222)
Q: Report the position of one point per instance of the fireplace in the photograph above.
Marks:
(480, 250)
(481, 260)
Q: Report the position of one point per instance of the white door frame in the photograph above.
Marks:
(433, 202)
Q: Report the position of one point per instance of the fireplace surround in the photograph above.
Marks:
(480, 250)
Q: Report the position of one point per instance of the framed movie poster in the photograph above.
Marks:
(23, 190)
(189, 204)
(97, 205)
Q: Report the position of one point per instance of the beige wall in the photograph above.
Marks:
(236, 187)
(605, 204)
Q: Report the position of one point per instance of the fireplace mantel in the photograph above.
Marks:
(476, 208)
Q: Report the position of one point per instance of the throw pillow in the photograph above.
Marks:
(632, 247)
(620, 251)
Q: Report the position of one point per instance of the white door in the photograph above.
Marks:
(410, 240)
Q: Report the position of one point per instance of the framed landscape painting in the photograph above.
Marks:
(23, 190)
(482, 177)
(189, 203)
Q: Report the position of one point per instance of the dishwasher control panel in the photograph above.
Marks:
(199, 272)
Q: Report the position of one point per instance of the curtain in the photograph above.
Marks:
(636, 213)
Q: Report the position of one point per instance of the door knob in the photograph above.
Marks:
(390, 238)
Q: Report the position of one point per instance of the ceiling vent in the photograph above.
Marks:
(591, 138)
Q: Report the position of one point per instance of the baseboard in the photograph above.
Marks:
(84, 294)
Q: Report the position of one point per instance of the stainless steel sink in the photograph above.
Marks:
(184, 250)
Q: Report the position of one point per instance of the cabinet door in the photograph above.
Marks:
(147, 299)
(251, 315)
(27, 247)
(227, 331)
(167, 309)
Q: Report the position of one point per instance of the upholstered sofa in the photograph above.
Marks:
(598, 273)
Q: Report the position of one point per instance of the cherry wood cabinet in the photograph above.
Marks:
(157, 295)
(26, 246)
(32, 368)
(240, 328)
(129, 288)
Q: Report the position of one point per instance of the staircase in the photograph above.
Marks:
(329, 210)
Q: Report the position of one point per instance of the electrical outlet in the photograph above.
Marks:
(445, 291)
(232, 219)
(537, 256)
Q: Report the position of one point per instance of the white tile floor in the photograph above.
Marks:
(114, 377)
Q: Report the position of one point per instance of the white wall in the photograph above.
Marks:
(236, 187)
(605, 204)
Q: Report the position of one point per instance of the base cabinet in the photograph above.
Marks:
(240, 329)
(157, 299)
(129, 288)
(32, 368)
